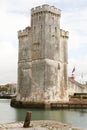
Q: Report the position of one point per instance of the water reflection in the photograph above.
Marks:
(77, 118)
(42, 114)
(20, 114)
(7, 114)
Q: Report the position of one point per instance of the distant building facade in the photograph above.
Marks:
(75, 87)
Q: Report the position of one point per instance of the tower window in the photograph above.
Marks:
(55, 29)
(39, 17)
(41, 27)
(52, 20)
(49, 28)
(34, 28)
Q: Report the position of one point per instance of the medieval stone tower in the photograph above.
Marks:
(42, 61)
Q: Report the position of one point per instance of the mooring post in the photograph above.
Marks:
(27, 119)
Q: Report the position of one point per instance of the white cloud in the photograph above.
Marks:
(75, 22)
(8, 62)
(10, 23)
(80, 65)
(22, 4)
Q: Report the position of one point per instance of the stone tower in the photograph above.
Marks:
(42, 61)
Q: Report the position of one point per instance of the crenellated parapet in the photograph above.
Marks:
(46, 8)
(24, 33)
(64, 33)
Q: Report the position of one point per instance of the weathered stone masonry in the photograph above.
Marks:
(43, 58)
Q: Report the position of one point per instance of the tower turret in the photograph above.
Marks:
(45, 23)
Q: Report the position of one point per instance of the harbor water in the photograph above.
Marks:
(73, 117)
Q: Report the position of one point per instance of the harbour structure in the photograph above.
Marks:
(43, 59)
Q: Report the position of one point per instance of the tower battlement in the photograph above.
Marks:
(64, 33)
(24, 32)
(46, 8)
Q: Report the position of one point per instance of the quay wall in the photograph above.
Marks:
(55, 105)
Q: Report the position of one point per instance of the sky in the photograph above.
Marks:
(15, 16)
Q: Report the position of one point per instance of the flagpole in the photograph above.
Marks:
(72, 76)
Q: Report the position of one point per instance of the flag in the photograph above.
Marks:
(73, 70)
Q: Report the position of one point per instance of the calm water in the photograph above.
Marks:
(77, 118)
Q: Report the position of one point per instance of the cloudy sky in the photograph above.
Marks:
(15, 15)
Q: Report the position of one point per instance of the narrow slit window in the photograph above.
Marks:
(55, 29)
(49, 28)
